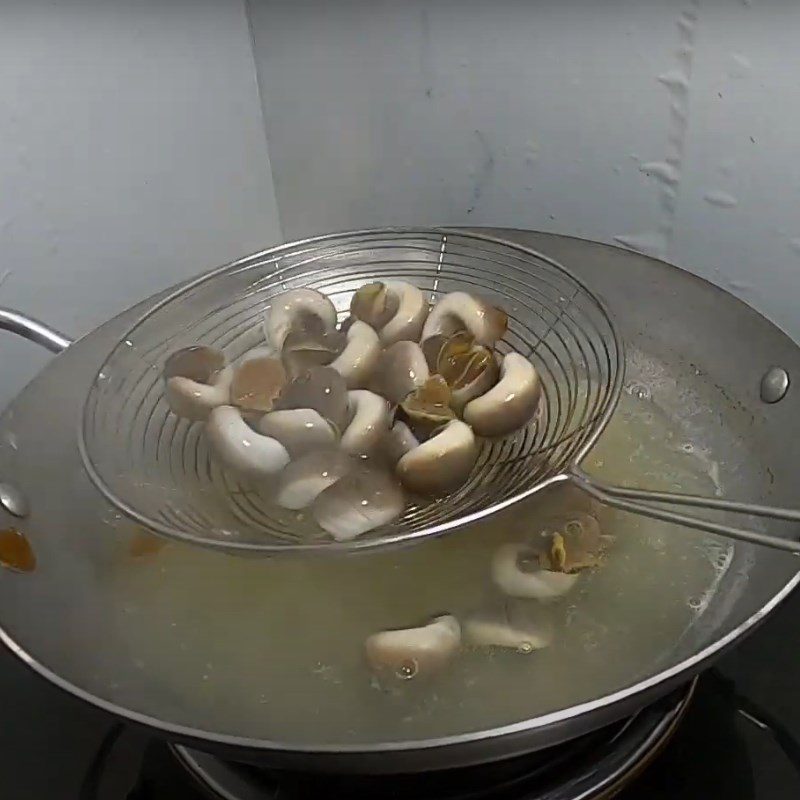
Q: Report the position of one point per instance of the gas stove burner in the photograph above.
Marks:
(593, 767)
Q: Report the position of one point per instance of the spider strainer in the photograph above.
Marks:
(156, 468)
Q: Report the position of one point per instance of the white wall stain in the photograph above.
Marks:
(674, 79)
(484, 173)
(667, 172)
(721, 199)
(425, 52)
(661, 170)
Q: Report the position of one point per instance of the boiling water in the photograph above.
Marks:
(273, 649)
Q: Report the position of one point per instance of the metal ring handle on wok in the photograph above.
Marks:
(580, 397)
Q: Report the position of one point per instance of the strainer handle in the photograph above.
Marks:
(33, 330)
(651, 504)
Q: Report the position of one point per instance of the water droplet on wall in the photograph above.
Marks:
(661, 170)
(674, 79)
(720, 199)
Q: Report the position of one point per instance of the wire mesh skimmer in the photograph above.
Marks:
(156, 469)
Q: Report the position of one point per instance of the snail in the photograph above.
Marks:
(427, 408)
(519, 626)
(470, 369)
(414, 652)
(510, 404)
(459, 311)
(442, 463)
(240, 448)
(299, 430)
(401, 369)
(363, 499)
(398, 441)
(197, 380)
(358, 359)
(292, 309)
(369, 422)
(549, 564)
(310, 344)
(516, 571)
(396, 309)
(320, 388)
(257, 381)
(368, 390)
(306, 478)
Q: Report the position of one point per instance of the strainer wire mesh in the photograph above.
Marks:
(156, 468)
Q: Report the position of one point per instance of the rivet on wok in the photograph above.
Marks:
(774, 384)
(13, 501)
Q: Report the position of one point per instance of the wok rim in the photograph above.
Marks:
(644, 687)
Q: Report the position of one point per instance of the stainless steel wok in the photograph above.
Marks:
(705, 343)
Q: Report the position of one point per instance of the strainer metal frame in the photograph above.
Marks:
(576, 441)
(579, 438)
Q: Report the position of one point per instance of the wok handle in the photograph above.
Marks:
(650, 504)
(33, 330)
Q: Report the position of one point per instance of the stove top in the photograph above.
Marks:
(739, 738)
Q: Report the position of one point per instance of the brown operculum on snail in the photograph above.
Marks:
(549, 564)
(431, 348)
(373, 304)
(196, 381)
(470, 369)
(453, 353)
(572, 543)
(517, 572)
(427, 408)
(256, 383)
(414, 652)
(441, 348)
